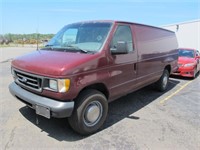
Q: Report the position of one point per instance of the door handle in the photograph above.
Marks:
(135, 68)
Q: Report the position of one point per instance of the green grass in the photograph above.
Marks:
(20, 45)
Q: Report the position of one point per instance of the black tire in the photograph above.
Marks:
(195, 73)
(162, 83)
(90, 105)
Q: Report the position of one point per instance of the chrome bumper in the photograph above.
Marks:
(57, 109)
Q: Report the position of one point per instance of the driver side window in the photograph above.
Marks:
(123, 33)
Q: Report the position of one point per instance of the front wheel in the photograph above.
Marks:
(162, 83)
(90, 112)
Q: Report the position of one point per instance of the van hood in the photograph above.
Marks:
(54, 63)
(185, 60)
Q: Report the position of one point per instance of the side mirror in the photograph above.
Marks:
(198, 57)
(121, 48)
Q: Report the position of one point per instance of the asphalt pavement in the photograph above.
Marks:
(145, 119)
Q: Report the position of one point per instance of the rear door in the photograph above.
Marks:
(123, 68)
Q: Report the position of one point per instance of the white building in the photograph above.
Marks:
(188, 33)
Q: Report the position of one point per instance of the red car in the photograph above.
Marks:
(188, 62)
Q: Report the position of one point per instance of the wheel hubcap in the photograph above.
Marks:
(93, 113)
(165, 81)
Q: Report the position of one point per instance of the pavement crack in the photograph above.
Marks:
(10, 138)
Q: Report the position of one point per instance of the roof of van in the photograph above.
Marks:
(118, 21)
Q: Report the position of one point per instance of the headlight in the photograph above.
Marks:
(60, 85)
(53, 85)
(63, 85)
(189, 65)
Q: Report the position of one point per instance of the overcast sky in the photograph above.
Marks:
(48, 16)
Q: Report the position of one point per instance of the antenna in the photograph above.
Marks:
(37, 35)
(37, 38)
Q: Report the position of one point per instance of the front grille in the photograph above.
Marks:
(28, 80)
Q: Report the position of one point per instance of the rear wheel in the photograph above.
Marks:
(90, 112)
(162, 83)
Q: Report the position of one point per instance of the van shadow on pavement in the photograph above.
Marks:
(124, 107)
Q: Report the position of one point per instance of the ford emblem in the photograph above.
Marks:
(24, 79)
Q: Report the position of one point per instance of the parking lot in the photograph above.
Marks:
(145, 119)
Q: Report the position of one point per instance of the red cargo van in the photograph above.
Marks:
(88, 64)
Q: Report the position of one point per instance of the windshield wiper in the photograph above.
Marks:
(70, 48)
(50, 45)
(76, 48)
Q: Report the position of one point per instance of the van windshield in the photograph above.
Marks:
(81, 37)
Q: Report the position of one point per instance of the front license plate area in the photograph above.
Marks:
(42, 111)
